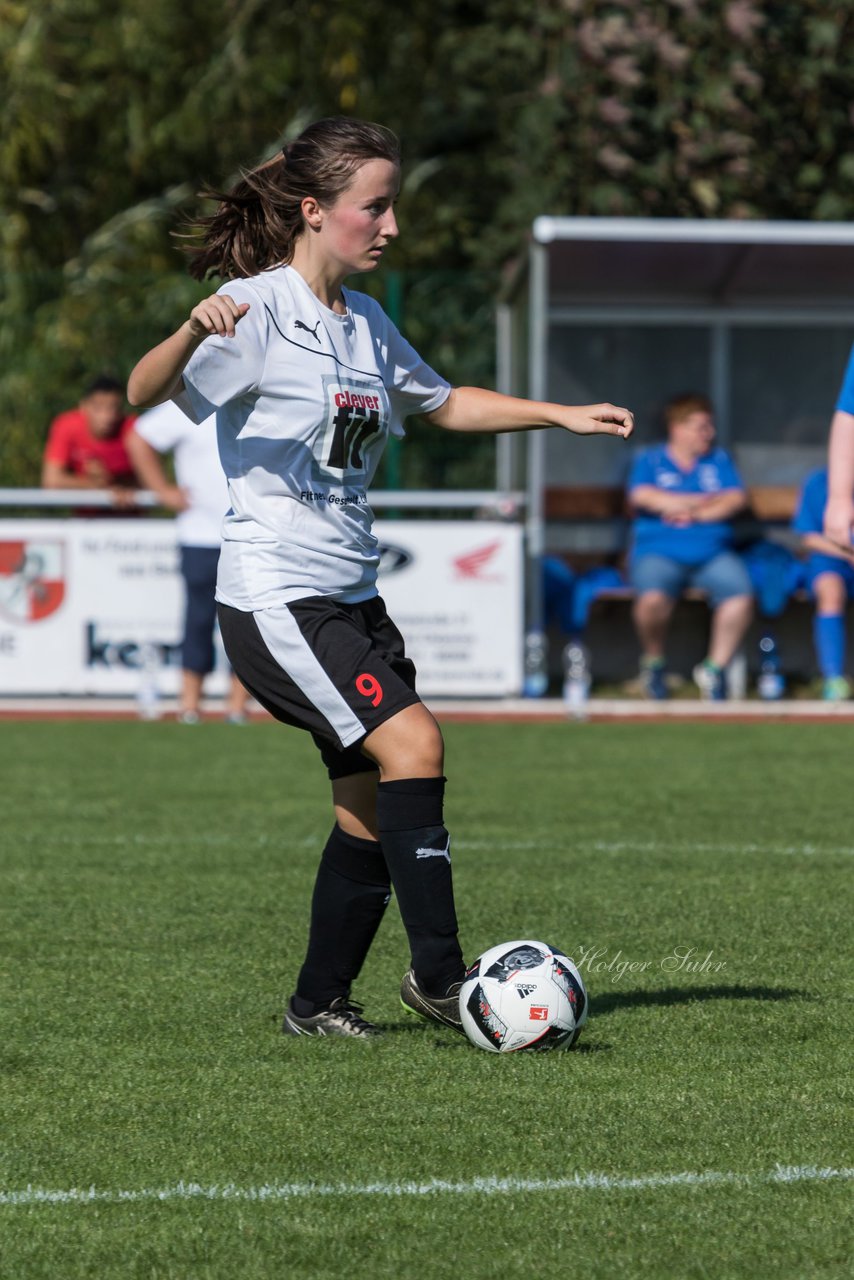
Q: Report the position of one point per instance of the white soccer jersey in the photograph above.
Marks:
(305, 400)
(197, 471)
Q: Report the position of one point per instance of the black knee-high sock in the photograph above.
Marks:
(351, 893)
(417, 849)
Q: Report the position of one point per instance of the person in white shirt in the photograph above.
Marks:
(199, 497)
(308, 379)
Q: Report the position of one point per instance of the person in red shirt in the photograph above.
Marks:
(86, 446)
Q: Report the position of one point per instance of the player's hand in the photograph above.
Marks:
(599, 420)
(217, 314)
(839, 522)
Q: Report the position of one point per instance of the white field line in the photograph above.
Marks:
(781, 1174)
(140, 839)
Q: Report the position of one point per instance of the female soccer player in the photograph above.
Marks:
(308, 379)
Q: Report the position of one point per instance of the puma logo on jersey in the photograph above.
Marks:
(298, 324)
(436, 853)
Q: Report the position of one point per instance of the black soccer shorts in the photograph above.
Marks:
(337, 670)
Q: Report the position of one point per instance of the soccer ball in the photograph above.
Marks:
(523, 995)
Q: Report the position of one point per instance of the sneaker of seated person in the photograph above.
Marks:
(653, 676)
(836, 689)
(711, 682)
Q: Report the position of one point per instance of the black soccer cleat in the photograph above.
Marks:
(342, 1018)
(442, 1009)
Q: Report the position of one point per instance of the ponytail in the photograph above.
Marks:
(258, 222)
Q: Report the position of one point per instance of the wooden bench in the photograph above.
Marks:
(610, 632)
(770, 504)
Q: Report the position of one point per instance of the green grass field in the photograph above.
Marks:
(154, 892)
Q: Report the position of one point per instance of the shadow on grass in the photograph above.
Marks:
(601, 1006)
(612, 1001)
(454, 1041)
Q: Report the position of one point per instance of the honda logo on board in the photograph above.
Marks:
(473, 564)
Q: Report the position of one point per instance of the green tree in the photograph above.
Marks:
(112, 121)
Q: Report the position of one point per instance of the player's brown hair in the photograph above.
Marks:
(260, 219)
(682, 406)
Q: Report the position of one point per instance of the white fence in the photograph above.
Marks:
(87, 605)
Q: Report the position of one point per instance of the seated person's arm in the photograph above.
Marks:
(660, 502)
(721, 506)
(839, 514)
(57, 476)
(824, 546)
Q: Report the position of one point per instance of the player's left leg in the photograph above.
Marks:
(410, 821)
(351, 893)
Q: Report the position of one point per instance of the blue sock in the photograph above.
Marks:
(829, 638)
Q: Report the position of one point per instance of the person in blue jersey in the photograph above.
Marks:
(830, 575)
(308, 379)
(839, 512)
(684, 495)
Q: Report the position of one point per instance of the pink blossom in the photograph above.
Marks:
(737, 144)
(746, 76)
(672, 53)
(691, 8)
(590, 39)
(616, 32)
(614, 112)
(742, 19)
(625, 71)
(614, 160)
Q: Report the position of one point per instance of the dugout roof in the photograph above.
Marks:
(717, 263)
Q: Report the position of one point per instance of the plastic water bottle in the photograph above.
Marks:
(736, 677)
(536, 665)
(148, 689)
(771, 684)
(576, 680)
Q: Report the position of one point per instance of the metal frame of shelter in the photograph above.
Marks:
(624, 271)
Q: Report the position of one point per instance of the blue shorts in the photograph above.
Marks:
(722, 577)
(819, 563)
(198, 569)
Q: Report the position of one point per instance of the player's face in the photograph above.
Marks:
(357, 228)
(103, 410)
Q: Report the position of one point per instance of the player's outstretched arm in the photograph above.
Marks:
(475, 409)
(839, 513)
(157, 376)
